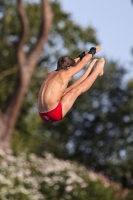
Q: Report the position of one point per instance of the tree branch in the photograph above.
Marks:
(47, 17)
(8, 72)
(23, 35)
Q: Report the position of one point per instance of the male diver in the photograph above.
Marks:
(55, 98)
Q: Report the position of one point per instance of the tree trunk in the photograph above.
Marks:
(26, 65)
(9, 118)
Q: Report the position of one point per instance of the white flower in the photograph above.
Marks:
(84, 185)
(69, 181)
(69, 188)
(20, 174)
(2, 178)
(11, 158)
(48, 180)
(106, 184)
(3, 191)
(22, 190)
(93, 176)
(2, 153)
(27, 172)
(9, 151)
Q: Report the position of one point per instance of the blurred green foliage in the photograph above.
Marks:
(98, 130)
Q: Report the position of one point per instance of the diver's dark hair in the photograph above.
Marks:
(64, 62)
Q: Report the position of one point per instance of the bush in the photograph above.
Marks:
(28, 177)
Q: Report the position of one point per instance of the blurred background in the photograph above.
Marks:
(89, 154)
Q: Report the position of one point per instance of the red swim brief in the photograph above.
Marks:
(53, 115)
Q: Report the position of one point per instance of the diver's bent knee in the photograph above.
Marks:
(101, 73)
(76, 91)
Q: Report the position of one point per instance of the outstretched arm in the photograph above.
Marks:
(80, 65)
(77, 59)
(80, 56)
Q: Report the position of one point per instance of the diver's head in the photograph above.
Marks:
(64, 62)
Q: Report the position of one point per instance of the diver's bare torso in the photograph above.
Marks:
(52, 90)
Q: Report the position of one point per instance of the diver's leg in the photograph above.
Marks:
(70, 97)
